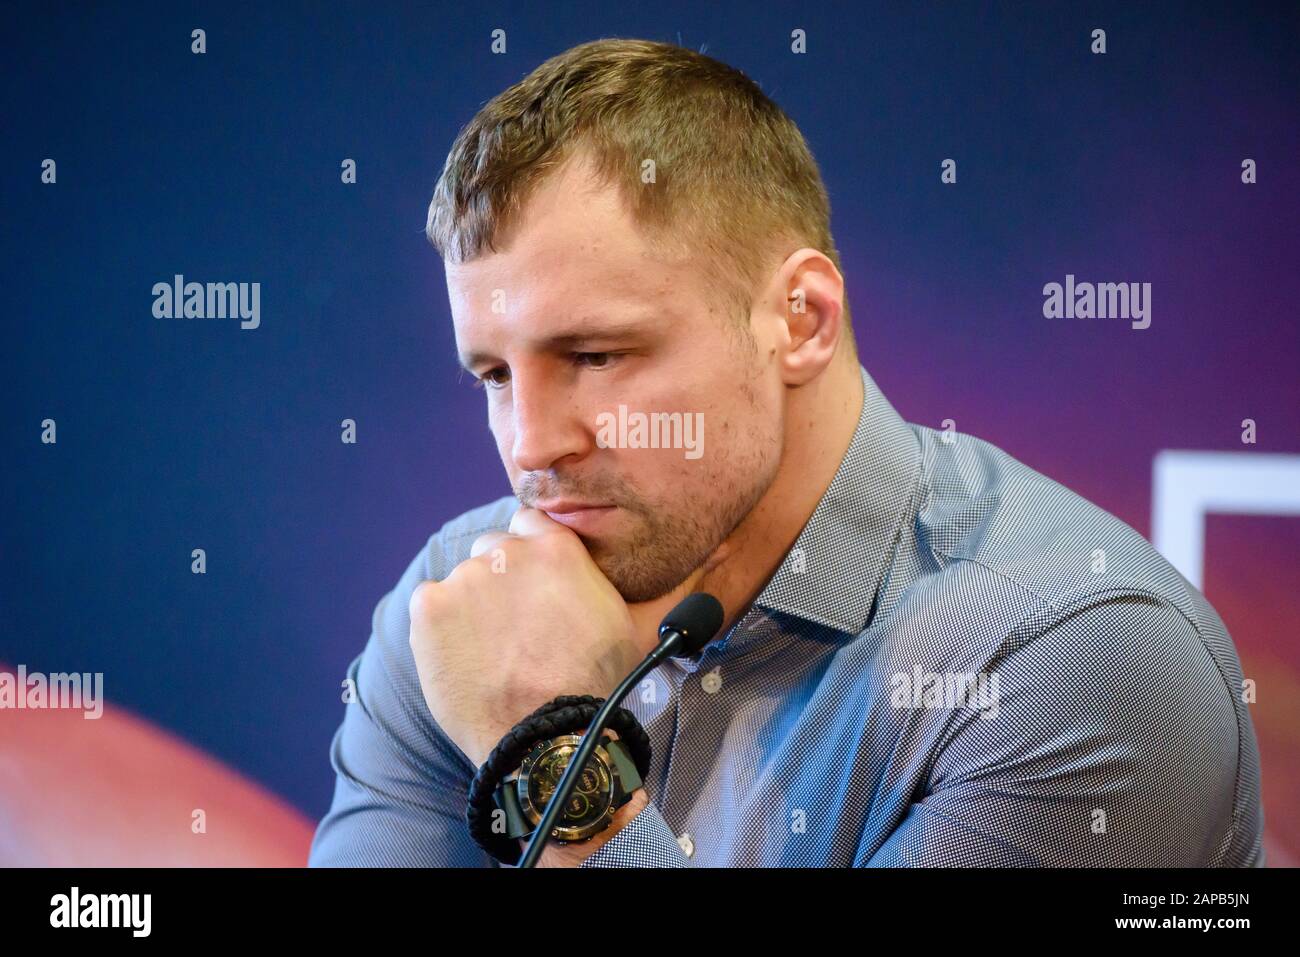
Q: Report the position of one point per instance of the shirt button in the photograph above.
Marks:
(687, 845)
(712, 681)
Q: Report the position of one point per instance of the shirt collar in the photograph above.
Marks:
(834, 570)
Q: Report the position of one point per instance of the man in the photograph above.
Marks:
(932, 655)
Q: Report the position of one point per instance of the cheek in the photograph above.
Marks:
(743, 437)
(502, 433)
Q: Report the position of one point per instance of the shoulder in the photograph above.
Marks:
(1095, 636)
(1023, 555)
(982, 507)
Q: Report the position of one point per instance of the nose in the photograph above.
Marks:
(547, 428)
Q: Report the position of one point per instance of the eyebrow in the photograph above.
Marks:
(587, 330)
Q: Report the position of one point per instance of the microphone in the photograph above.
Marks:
(689, 626)
(683, 632)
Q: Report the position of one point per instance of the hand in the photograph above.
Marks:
(527, 617)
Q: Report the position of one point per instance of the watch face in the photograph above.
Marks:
(590, 805)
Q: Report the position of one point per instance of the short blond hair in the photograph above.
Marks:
(734, 183)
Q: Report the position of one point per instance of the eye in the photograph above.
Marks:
(595, 360)
(492, 379)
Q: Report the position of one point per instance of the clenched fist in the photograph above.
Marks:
(527, 617)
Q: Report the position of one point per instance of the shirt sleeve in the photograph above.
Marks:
(401, 785)
(1113, 742)
(645, 841)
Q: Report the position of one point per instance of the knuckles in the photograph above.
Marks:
(497, 553)
(427, 600)
(543, 547)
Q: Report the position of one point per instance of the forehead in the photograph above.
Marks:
(574, 248)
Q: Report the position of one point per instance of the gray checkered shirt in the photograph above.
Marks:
(958, 663)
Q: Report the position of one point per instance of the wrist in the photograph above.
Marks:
(514, 786)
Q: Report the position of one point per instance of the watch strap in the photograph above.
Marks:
(566, 714)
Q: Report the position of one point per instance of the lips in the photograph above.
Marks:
(582, 518)
(565, 506)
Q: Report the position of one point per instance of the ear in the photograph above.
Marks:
(812, 291)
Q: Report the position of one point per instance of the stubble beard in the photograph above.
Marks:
(671, 540)
(670, 543)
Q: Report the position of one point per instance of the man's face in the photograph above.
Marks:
(574, 317)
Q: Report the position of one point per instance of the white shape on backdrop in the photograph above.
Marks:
(1188, 485)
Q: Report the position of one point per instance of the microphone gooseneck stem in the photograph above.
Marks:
(671, 641)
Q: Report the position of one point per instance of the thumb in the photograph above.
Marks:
(531, 521)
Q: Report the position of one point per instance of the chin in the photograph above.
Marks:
(639, 583)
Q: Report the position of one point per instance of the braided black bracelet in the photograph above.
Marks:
(566, 714)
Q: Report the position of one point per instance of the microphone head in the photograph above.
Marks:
(697, 618)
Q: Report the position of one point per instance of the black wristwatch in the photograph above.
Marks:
(607, 783)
